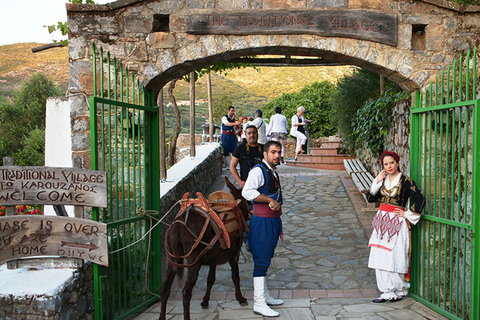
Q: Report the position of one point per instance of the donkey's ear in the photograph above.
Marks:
(232, 188)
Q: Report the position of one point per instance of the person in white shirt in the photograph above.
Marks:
(278, 129)
(264, 190)
(261, 126)
(299, 130)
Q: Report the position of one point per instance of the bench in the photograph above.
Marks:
(360, 177)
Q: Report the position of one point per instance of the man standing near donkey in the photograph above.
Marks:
(247, 155)
(263, 188)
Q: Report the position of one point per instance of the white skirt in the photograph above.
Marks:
(396, 260)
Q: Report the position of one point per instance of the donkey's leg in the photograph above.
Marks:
(165, 290)
(188, 288)
(236, 281)
(210, 282)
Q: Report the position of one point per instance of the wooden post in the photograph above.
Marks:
(210, 108)
(78, 210)
(7, 162)
(161, 136)
(192, 114)
(10, 210)
(382, 85)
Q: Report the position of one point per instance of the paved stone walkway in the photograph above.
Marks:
(321, 267)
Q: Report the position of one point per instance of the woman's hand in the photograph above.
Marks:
(382, 175)
(399, 212)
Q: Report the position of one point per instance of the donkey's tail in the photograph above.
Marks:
(174, 248)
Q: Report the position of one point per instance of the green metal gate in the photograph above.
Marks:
(445, 162)
(124, 142)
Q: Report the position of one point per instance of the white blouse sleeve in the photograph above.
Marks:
(412, 217)
(375, 186)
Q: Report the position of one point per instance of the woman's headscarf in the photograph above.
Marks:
(389, 153)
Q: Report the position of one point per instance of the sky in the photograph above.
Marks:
(24, 20)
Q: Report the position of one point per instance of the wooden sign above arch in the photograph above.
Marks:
(357, 24)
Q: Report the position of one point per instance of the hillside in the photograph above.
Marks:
(247, 88)
(17, 63)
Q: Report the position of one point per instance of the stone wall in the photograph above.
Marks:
(198, 180)
(396, 140)
(75, 301)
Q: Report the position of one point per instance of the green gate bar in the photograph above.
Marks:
(124, 141)
(445, 161)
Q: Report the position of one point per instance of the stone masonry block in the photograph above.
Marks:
(329, 3)
(81, 123)
(404, 36)
(161, 40)
(78, 104)
(166, 59)
(224, 5)
(240, 5)
(238, 43)
(77, 47)
(177, 24)
(137, 51)
(295, 3)
(164, 7)
(194, 4)
(209, 43)
(434, 38)
(80, 141)
(138, 24)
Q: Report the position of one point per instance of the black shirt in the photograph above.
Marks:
(248, 157)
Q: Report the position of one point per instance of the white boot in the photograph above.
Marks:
(268, 299)
(259, 305)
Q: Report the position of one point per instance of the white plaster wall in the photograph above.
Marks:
(58, 141)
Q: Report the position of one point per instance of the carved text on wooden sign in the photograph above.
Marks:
(358, 24)
(49, 185)
(27, 236)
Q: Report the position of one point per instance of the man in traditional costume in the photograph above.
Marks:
(229, 134)
(390, 239)
(263, 188)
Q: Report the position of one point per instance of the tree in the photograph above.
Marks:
(354, 91)
(220, 108)
(316, 99)
(23, 121)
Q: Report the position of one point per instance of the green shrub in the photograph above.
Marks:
(353, 91)
(373, 120)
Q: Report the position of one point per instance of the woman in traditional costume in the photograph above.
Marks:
(390, 239)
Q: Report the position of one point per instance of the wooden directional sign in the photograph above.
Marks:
(359, 24)
(31, 236)
(50, 185)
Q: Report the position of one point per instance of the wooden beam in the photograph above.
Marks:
(161, 119)
(192, 114)
(210, 108)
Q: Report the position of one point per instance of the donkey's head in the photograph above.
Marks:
(237, 193)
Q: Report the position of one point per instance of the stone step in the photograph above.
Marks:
(324, 166)
(331, 144)
(323, 151)
(333, 158)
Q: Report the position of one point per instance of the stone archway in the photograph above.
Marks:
(406, 41)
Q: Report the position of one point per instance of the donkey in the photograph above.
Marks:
(180, 239)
